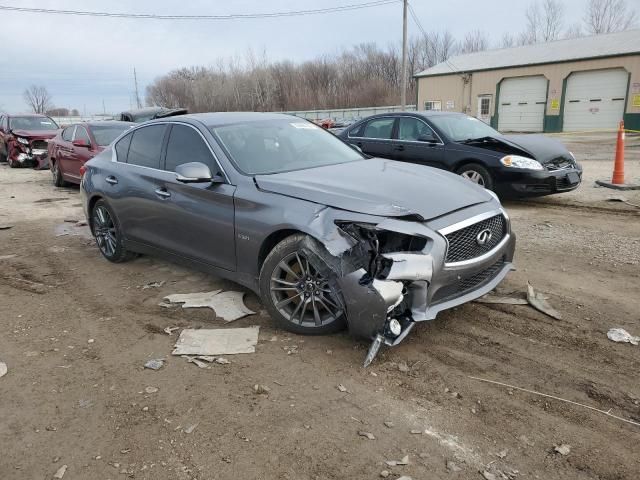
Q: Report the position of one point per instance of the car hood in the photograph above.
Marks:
(379, 187)
(35, 134)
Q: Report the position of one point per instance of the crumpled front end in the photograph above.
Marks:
(398, 271)
(26, 152)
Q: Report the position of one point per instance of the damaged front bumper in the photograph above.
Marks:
(436, 267)
(30, 156)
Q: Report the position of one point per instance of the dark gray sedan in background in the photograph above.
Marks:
(324, 235)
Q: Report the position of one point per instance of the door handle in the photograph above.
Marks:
(111, 179)
(400, 148)
(162, 192)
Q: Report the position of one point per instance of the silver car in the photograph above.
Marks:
(326, 236)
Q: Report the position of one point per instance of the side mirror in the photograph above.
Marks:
(81, 143)
(427, 139)
(196, 172)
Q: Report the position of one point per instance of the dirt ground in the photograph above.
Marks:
(77, 330)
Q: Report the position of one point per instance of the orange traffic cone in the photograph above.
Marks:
(618, 165)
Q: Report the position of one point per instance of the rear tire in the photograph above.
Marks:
(106, 231)
(297, 296)
(57, 178)
(477, 174)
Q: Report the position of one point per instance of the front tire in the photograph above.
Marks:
(296, 294)
(477, 174)
(107, 233)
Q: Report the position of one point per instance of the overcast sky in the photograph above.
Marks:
(84, 61)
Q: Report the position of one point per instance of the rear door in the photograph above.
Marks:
(416, 142)
(63, 151)
(198, 218)
(79, 155)
(374, 137)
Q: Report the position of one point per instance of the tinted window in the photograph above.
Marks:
(67, 133)
(412, 129)
(146, 146)
(273, 146)
(81, 134)
(379, 128)
(122, 148)
(186, 145)
(105, 134)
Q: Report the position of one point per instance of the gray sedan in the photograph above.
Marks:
(326, 236)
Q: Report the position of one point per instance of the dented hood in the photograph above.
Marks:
(378, 187)
(35, 134)
(539, 147)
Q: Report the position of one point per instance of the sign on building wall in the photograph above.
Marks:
(555, 104)
(636, 100)
(451, 105)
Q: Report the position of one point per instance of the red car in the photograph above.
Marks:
(77, 144)
(23, 139)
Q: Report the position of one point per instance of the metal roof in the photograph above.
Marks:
(606, 45)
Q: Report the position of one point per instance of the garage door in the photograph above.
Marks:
(595, 99)
(522, 104)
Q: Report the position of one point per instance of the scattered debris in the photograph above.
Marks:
(7, 257)
(389, 424)
(492, 298)
(453, 467)
(195, 360)
(151, 389)
(190, 428)
(342, 388)
(290, 349)
(3, 369)
(84, 403)
(621, 335)
(222, 361)
(489, 476)
(604, 412)
(155, 364)
(261, 389)
(502, 453)
(170, 330)
(366, 434)
(623, 200)
(403, 367)
(563, 449)
(228, 305)
(416, 432)
(228, 341)
(5, 226)
(539, 302)
(60, 472)
(404, 477)
(51, 428)
(395, 463)
(153, 285)
(385, 473)
(91, 340)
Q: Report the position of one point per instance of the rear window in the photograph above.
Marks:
(105, 134)
(379, 128)
(146, 146)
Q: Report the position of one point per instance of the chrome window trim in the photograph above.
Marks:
(471, 221)
(114, 156)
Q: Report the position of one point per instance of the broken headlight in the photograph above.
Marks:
(23, 141)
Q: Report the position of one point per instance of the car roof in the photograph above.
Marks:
(218, 119)
(99, 123)
(141, 111)
(36, 115)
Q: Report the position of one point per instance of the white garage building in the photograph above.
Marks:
(582, 84)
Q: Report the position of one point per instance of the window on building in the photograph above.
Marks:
(433, 105)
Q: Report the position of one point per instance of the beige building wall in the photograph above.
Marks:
(459, 92)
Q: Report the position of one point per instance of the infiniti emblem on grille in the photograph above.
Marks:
(483, 237)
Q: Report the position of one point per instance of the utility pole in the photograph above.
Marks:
(135, 79)
(403, 81)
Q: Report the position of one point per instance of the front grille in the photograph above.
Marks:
(39, 144)
(468, 284)
(559, 163)
(463, 243)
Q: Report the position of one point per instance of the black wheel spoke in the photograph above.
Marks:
(287, 269)
(287, 301)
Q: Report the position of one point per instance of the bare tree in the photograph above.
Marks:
(507, 40)
(574, 31)
(544, 22)
(607, 16)
(474, 41)
(38, 98)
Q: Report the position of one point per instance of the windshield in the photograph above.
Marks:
(462, 127)
(105, 134)
(275, 146)
(32, 123)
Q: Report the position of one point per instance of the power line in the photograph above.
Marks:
(235, 16)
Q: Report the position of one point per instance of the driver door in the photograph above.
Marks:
(198, 220)
(416, 142)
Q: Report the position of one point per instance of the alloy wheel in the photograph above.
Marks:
(473, 176)
(301, 294)
(104, 230)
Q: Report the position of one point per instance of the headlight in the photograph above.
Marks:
(23, 141)
(516, 161)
